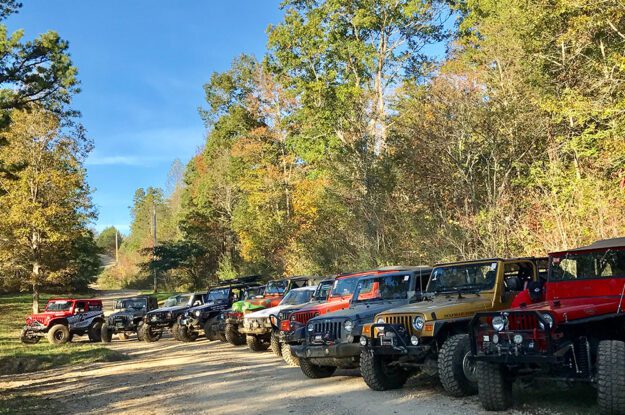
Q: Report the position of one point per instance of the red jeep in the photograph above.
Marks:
(575, 331)
(62, 319)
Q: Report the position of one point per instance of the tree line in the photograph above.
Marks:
(349, 146)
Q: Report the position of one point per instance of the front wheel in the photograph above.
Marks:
(28, 338)
(148, 334)
(255, 344)
(95, 332)
(186, 335)
(611, 377)
(59, 334)
(276, 348)
(494, 389)
(175, 331)
(106, 333)
(315, 372)
(378, 374)
(209, 333)
(233, 336)
(455, 367)
(288, 355)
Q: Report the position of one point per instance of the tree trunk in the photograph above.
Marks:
(35, 298)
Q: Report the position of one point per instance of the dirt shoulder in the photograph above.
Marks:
(204, 377)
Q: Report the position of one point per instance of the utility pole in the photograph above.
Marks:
(116, 248)
(154, 245)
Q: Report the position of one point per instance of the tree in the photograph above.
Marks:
(47, 208)
(186, 258)
(107, 242)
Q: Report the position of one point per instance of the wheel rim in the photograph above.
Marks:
(468, 368)
(58, 335)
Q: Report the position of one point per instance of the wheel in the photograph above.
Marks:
(58, 334)
(288, 355)
(233, 336)
(139, 334)
(222, 337)
(95, 332)
(175, 331)
(611, 377)
(106, 333)
(122, 336)
(276, 348)
(28, 339)
(149, 335)
(315, 372)
(255, 344)
(378, 374)
(185, 335)
(209, 333)
(455, 368)
(494, 389)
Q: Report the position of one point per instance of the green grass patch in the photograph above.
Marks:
(16, 357)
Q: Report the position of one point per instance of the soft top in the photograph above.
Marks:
(600, 244)
(89, 300)
(306, 288)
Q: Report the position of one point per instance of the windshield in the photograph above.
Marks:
(479, 276)
(587, 265)
(218, 294)
(177, 300)
(276, 287)
(59, 306)
(296, 297)
(323, 290)
(253, 292)
(388, 287)
(343, 287)
(131, 303)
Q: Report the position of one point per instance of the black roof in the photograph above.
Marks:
(470, 261)
(601, 244)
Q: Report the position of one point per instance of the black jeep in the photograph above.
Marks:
(205, 317)
(218, 325)
(128, 317)
(156, 321)
(332, 340)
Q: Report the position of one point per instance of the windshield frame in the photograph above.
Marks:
(362, 280)
(293, 294)
(598, 253)
(226, 290)
(69, 307)
(122, 300)
(353, 283)
(467, 287)
(271, 284)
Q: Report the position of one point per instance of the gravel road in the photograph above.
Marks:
(169, 377)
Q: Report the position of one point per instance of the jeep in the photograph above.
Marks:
(259, 326)
(275, 290)
(574, 331)
(63, 319)
(157, 321)
(219, 326)
(432, 335)
(332, 340)
(205, 317)
(293, 322)
(127, 317)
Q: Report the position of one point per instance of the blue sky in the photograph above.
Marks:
(142, 65)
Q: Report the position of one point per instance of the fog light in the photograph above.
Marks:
(414, 340)
(518, 339)
(363, 341)
(495, 338)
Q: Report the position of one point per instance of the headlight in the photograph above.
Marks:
(418, 323)
(348, 325)
(311, 328)
(363, 341)
(547, 317)
(498, 323)
(414, 340)
(197, 313)
(380, 321)
(169, 315)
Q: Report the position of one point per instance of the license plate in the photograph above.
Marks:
(120, 324)
(318, 338)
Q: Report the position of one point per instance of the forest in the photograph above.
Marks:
(350, 144)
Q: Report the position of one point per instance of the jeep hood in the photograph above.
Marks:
(447, 306)
(266, 312)
(126, 312)
(365, 311)
(575, 308)
(203, 306)
(326, 305)
(172, 308)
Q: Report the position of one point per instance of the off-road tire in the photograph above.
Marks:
(208, 331)
(378, 375)
(611, 377)
(222, 337)
(122, 336)
(95, 332)
(288, 355)
(233, 336)
(147, 335)
(175, 331)
(255, 344)
(276, 348)
(28, 339)
(106, 333)
(58, 334)
(314, 371)
(494, 389)
(184, 335)
(139, 334)
(450, 366)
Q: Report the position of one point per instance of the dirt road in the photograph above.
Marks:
(169, 377)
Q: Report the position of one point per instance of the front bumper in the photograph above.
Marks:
(35, 330)
(260, 331)
(339, 350)
(191, 323)
(294, 337)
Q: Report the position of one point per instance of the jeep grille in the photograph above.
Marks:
(405, 321)
(330, 329)
(304, 316)
(522, 321)
(39, 319)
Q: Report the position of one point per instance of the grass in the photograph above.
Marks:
(16, 357)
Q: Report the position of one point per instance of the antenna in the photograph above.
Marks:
(618, 310)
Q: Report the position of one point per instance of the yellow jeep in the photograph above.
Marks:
(432, 335)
